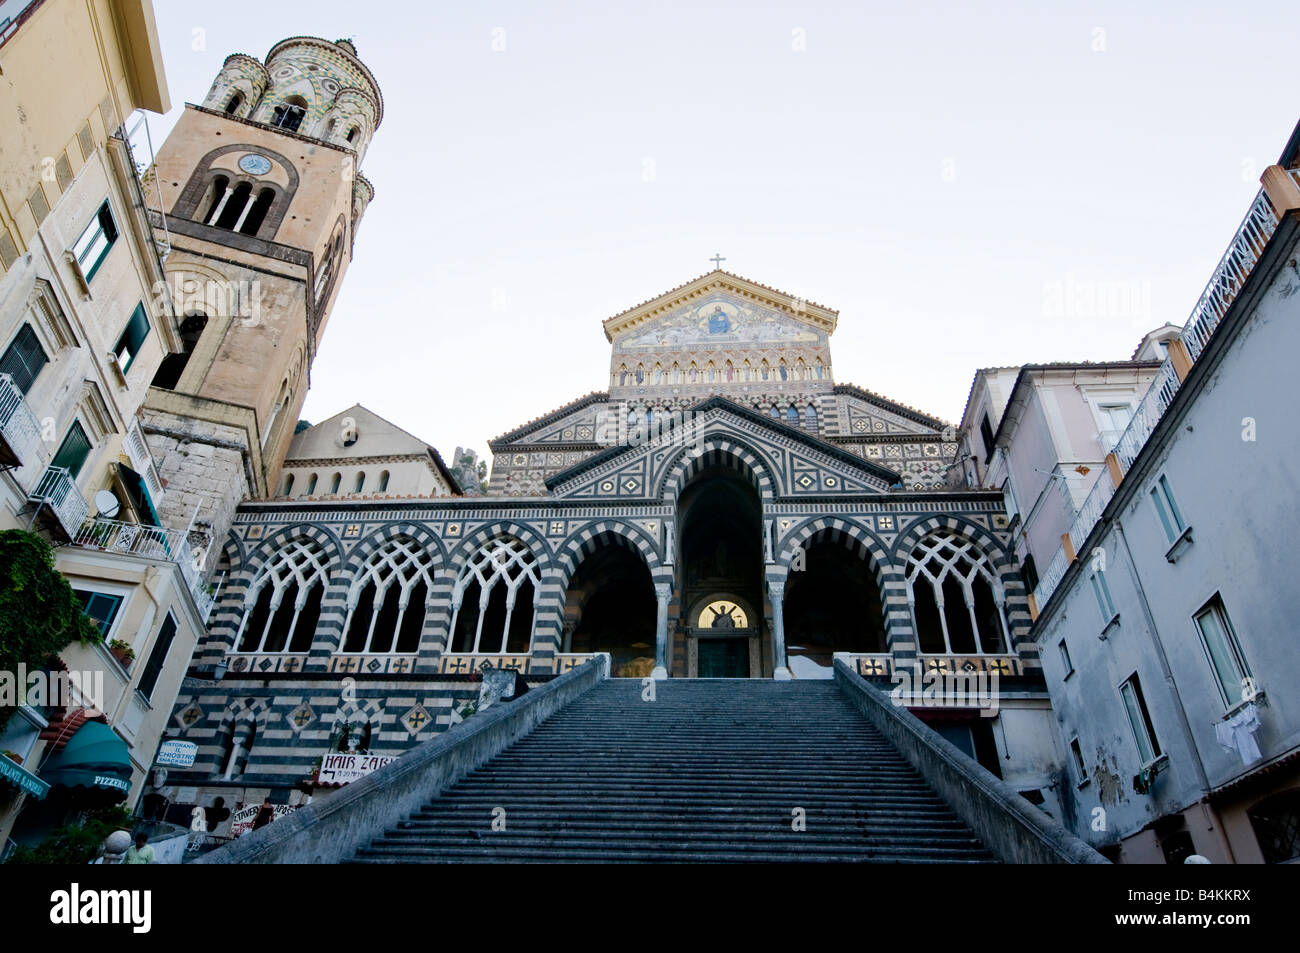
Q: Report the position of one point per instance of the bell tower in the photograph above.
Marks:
(257, 193)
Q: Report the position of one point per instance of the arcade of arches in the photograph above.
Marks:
(719, 614)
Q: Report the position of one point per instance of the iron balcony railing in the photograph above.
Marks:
(1149, 410)
(1093, 506)
(58, 490)
(18, 425)
(152, 542)
(1230, 274)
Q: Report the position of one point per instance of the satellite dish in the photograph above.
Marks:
(106, 504)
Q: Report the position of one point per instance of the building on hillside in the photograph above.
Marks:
(1165, 633)
(358, 454)
(85, 323)
(725, 510)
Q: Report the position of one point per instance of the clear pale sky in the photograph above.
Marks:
(966, 188)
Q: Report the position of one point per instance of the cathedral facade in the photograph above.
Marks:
(724, 510)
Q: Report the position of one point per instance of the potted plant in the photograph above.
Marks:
(124, 654)
(13, 756)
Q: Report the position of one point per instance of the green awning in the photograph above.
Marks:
(22, 779)
(94, 758)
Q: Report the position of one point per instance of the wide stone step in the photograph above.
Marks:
(708, 772)
(674, 839)
(462, 812)
(909, 831)
(650, 851)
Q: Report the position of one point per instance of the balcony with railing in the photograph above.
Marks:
(57, 491)
(1229, 277)
(151, 542)
(20, 431)
(1230, 274)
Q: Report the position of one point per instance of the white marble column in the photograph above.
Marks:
(776, 591)
(662, 591)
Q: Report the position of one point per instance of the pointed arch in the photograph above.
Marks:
(717, 449)
(387, 600)
(957, 599)
(494, 599)
(282, 605)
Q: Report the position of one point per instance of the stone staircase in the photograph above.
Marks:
(711, 771)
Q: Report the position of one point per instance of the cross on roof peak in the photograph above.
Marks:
(717, 260)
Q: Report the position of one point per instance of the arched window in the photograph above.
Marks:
(352, 134)
(386, 603)
(282, 606)
(810, 418)
(233, 213)
(236, 101)
(311, 484)
(334, 483)
(383, 481)
(257, 213)
(173, 366)
(792, 416)
(957, 602)
(288, 485)
(493, 599)
(361, 482)
(219, 186)
(289, 114)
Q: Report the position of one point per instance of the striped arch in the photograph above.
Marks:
(864, 543)
(233, 551)
(228, 609)
(438, 623)
(230, 613)
(362, 548)
(1007, 573)
(240, 723)
(587, 540)
(845, 531)
(489, 531)
(281, 538)
(718, 449)
(918, 529)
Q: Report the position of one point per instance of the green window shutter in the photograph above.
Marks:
(128, 345)
(73, 451)
(157, 657)
(99, 606)
(23, 358)
(94, 244)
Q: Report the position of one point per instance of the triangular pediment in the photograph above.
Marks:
(797, 463)
(720, 306)
(355, 432)
(573, 423)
